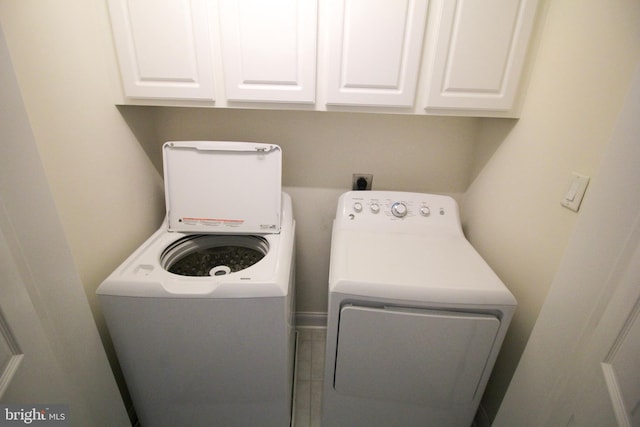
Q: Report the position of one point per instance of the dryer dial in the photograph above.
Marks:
(399, 210)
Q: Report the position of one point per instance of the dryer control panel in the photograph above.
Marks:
(400, 211)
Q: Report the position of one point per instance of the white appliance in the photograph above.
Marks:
(201, 315)
(416, 317)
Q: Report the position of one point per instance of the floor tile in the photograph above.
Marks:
(309, 376)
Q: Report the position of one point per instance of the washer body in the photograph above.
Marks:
(416, 317)
(215, 349)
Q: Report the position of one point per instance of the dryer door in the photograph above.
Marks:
(420, 356)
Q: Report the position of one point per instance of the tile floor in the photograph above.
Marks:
(309, 376)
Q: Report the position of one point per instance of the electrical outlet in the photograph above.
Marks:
(361, 181)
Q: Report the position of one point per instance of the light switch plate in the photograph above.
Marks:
(574, 194)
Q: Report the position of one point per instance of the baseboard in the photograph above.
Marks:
(311, 319)
(481, 419)
(133, 417)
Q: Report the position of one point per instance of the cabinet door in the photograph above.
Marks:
(269, 49)
(374, 51)
(480, 48)
(164, 48)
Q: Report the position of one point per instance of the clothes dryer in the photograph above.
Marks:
(416, 317)
(201, 314)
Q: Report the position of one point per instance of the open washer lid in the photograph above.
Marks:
(223, 187)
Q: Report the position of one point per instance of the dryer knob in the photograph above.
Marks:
(399, 210)
(357, 206)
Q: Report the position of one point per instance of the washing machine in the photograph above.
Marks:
(416, 317)
(201, 315)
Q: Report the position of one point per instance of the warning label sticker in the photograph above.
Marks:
(211, 222)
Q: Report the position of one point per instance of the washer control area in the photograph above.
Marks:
(375, 208)
(398, 208)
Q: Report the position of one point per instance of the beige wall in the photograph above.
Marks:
(322, 149)
(107, 191)
(512, 211)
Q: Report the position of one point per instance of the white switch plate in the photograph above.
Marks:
(574, 194)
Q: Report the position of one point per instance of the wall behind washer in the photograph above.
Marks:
(321, 151)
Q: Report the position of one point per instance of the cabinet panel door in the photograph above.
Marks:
(479, 52)
(375, 48)
(269, 49)
(164, 48)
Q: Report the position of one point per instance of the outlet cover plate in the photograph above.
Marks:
(574, 194)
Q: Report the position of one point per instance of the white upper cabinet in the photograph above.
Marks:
(164, 48)
(375, 48)
(451, 57)
(478, 51)
(269, 49)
